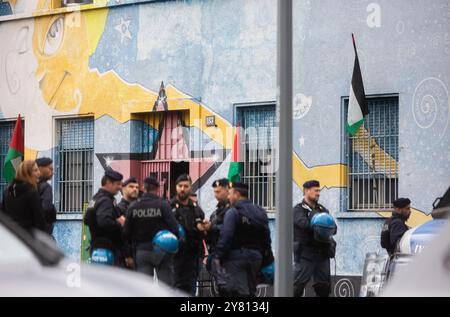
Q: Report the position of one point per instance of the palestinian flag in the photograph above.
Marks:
(357, 104)
(236, 166)
(15, 153)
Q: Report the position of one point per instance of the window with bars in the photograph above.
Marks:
(258, 124)
(74, 156)
(372, 157)
(6, 132)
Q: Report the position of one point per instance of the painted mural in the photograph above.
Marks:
(171, 65)
(60, 54)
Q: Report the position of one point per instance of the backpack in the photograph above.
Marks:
(385, 240)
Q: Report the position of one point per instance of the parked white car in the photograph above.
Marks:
(34, 266)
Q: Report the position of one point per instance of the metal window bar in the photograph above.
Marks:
(258, 123)
(74, 164)
(6, 132)
(373, 158)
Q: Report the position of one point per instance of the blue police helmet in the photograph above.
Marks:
(269, 272)
(165, 241)
(324, 226)
(181, 232)
(102, 256)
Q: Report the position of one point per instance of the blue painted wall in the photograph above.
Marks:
(224, 52)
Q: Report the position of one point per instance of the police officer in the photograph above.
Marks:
(103, 217)
(45, 165)
(191, 218)
(215, 224)
(312, 257)
(395, 227)
(244, 238)
(145, 218)
(130, 192)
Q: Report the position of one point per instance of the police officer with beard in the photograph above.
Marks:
(244, 244)
(312, 257)
(130, 192)
(192, 219)
(103, 217)
(395, 227)
(145, 218)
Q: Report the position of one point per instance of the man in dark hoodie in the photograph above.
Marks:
(45, 165)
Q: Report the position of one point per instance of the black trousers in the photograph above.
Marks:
(186, 269)
(237, 276)
(314, 264)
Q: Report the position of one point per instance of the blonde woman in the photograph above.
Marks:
(21, 200)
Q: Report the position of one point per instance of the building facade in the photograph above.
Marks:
(158, 87)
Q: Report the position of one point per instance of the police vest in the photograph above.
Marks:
(249, 233)
(147, 218)
(100, 237)
(306, 237)
(188, 216)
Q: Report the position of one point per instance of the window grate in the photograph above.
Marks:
(74, 164)
(372, 156)
(258, 125)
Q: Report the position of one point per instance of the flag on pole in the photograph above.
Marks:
(15, 152)
(236, 166)
(357, 104)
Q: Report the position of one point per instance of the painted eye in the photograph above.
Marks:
(54, 37)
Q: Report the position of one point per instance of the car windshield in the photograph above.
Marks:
(12, 250)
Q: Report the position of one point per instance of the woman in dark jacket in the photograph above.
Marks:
(21, 200)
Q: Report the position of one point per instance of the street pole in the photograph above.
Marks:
(284, 216)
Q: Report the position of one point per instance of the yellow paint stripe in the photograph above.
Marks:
(334, 175)
(197, 117)
(378, 159)
(416, 219)
(95, 23)
(30, 154)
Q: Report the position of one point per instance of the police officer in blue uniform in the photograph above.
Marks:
(145, 218)
(191, 217)
(215, 224)
(312, 257)
(243, 245)
(221, 191)
(103, 217)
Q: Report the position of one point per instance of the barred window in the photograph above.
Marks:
(5, 8)
(372, 157)
(258, 123)
(6, 132)
(74, 156)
